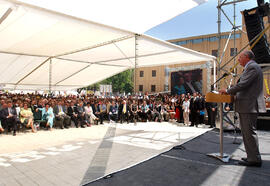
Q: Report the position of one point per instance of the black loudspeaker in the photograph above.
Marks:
(254, 26)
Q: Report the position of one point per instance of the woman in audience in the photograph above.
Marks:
(186, 110)
(89, 115)
(47, 115)
(26, 117)
(134, 110)
(171, 109)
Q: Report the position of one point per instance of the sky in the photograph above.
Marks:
(200, 20)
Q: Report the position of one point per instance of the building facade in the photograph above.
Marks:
(153, 79)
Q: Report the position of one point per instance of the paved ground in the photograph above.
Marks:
(190, 165)
(77, 156)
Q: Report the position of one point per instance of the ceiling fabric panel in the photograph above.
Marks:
(138, 16)
(15, 67)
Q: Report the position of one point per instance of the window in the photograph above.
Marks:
(154, 73)
(197, 40)
(206, 39)
(213, 38)
(224, 36)
(214, 53)
(212, 71)
(140, 88)
(141, 73)
(182, 42)
(153, 88)
(237, 36)
(233, 51)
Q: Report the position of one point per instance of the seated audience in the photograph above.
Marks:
(26, 117)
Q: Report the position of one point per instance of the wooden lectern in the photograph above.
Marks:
(218, 98)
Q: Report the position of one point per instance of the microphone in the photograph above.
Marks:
(223, 76)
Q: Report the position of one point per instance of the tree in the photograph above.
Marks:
(122, 82)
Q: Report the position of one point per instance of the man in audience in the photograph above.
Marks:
(9, 116)
(113, 112)
(124, 111)
(61, 118)
(73, 113)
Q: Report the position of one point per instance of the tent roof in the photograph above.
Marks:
(137, 16)
(40, 48)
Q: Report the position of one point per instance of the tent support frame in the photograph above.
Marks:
(135, 60)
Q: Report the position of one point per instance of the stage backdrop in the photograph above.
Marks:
(183, 82)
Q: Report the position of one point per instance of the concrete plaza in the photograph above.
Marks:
(77, 156)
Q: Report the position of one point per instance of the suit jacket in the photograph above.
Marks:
(120, 109)
(194, 104)
(5, 113)
(71, 110)
(249, 90)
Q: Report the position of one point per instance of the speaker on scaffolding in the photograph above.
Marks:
(254, 26)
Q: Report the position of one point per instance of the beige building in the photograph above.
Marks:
(153, 79)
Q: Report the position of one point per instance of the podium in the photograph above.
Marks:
(220, 98)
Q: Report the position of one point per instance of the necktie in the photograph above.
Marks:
(124, 109)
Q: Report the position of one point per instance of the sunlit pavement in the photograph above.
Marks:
(78, 155)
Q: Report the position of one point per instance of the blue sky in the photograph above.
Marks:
(200, 20)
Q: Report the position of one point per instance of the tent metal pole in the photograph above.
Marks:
(33, 71)
(23, 54)
(5, 15)
(73, 74)
(126, 57)
(95, 46)
(50, 76)
(118, 59)
(135, 60)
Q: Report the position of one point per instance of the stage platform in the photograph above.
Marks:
(189, 165)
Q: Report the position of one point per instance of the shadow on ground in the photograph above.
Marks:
(190, 165)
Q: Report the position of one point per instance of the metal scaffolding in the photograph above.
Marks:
(221, 155)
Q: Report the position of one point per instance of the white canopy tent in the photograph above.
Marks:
(42, 49)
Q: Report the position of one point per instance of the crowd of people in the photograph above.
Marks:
(33, 111)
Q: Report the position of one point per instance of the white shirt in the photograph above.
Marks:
(186, 106)
(88, 110)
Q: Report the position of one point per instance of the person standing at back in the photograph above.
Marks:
(249, 102)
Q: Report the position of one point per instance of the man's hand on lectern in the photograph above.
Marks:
(223, 91)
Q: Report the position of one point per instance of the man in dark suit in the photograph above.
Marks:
(123, 112)
(248, 103)
(9, 116)
(74, 114)
(194, 110)
(211, 109)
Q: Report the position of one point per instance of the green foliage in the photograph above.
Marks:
(122, 82)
